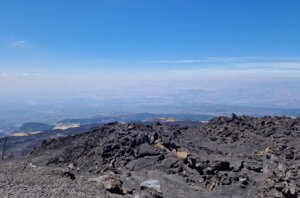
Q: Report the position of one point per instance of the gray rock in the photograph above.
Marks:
(141, 138)
(113, 184)
(151, 188)
(146, 150)
(151, 184)
(153, 138)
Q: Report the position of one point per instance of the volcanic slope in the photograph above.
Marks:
(227, 157)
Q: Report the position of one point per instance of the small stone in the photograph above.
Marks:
(32, 166)
(127, 191)
(151, 188)
(70, 175)
(293, 188)
(212, 183)
(153, 138)
(130, 127)
(114, 185)
(243, 180)
(71, 166)
(159, 145)
(151, 184)
(182, 154)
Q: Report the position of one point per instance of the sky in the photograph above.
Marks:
(147, 36)
(56, 46)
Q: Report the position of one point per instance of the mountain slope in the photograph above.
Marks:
(238, 156)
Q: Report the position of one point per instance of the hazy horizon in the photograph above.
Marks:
(85, 58)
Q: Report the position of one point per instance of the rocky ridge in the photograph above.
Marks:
(227, 157)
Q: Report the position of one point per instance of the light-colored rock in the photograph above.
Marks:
(159, 145)
(150, 188)
(71, 166)
(182, 154)
(293, 188)
(212, 183)
(32, 166)
(97, 179)
(151, 184)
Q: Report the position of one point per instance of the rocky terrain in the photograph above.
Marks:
(226, 157)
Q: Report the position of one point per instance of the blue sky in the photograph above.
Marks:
(117, 36)
(178, 54)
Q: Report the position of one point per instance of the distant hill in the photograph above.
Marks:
(34, 126)
(139, 117)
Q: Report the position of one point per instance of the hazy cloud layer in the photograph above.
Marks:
(264, 66)
(20, 44)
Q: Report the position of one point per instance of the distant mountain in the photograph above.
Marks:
(22, 142)
(34, 126)
(141, 117)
